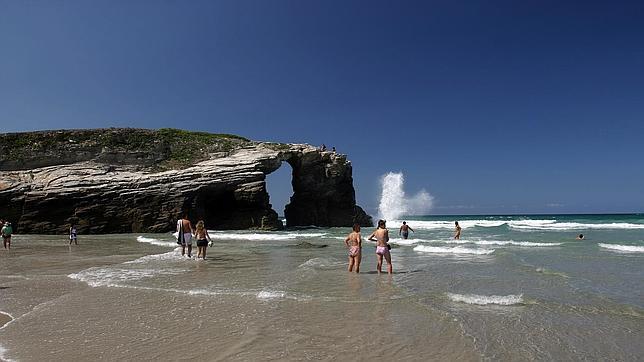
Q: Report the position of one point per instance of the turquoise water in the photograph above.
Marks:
(513, 288)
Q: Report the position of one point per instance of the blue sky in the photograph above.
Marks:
(492, 107)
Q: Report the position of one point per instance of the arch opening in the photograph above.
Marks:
(279, 186)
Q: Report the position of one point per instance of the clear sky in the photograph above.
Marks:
(491, 106)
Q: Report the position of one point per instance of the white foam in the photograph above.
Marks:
(143, 239)
(393, 201)
(454, 250)
(115, 276)
(502, 243)
(515, 224)
(486, 299)
(406, 241)
(623, 248)
(172, 255)
(571, 225)
(321, 263)
(253, 236)
(306, 235)
(267, 294)
(3, 355)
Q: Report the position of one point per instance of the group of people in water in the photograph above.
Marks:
(381, 236)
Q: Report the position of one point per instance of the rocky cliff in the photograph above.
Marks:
(133, 180)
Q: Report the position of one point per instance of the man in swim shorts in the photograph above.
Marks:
(184, 228)
(404, 230)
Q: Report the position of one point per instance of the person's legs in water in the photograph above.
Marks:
(351, 262)
(203, 255)
(357, 261)
(390, 269)
(379, 266)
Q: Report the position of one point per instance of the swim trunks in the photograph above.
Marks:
(405, 234)
(187, 239)
(381, 250)
(202, 242)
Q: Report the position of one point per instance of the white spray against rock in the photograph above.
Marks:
(394, 203)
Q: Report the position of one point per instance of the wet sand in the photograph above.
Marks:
(4, 319)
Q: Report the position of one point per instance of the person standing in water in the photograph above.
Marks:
(354, 243)
(381, 237)
(457, 231)
(6, 231)
(404, 230)
(201, 234)
(184, 228)
(73, 237)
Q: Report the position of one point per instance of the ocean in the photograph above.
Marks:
(513, 288)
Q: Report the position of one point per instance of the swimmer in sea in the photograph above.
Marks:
(354, 243)
(580, 237)
(404, 230)
(457, 231)
(381, 237)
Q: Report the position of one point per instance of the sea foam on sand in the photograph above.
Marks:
(486, 299)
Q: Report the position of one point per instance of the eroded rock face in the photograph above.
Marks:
(111, 191)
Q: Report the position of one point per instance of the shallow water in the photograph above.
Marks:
(503, 292)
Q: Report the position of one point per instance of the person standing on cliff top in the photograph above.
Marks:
(404, 230)
(184, 228)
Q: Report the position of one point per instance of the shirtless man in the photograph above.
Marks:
(381, 237)
(404, 230)
(457, 231)
(354, 243)
(184, 228)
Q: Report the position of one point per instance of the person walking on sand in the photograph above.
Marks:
(201, 234)
(381, 237)
(404, 230)
(184, 228)
(73, 235)
(354, 243)
(457, 231)
(6, 231)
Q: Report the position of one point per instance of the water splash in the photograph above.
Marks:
(394, 203)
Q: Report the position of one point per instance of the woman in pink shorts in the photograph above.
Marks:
(381, 237)
(354, 243)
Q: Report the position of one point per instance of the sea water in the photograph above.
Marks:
(512, 288)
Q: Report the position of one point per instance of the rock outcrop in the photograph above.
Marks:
(131, 180)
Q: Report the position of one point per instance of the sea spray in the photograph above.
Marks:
(394, 203)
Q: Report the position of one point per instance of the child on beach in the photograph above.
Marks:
(381, 237)
(354, 243)
(201, 234)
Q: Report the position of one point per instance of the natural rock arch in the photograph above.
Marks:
(225, 184)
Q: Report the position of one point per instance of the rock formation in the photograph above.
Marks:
(133, 180)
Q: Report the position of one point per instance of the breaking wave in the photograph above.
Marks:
(519, 225)
(143, 239)
(454, 250)
(623, 248)
(486, 299)
(394, 203)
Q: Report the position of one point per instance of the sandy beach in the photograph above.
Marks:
(4, 319)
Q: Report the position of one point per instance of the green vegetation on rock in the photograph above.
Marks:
(165, 148)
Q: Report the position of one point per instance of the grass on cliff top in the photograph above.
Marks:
(173, 147)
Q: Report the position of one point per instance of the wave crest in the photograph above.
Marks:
(486, 299)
